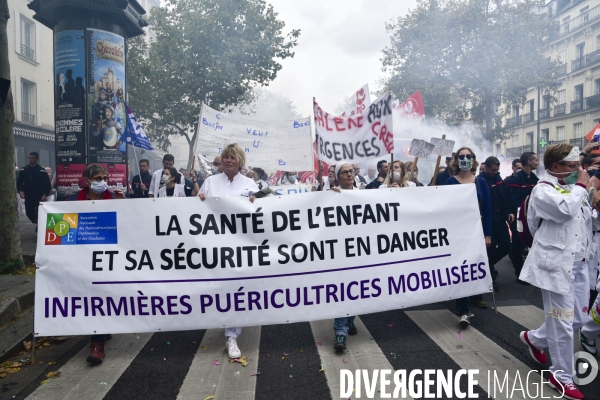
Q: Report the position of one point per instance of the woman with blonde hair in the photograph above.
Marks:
(397, 177)
(464, 164)
(231, 183)
(415, 178)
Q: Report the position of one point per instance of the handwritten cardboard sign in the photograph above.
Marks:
(420, 148)
(442, 147)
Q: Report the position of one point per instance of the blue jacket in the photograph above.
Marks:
(519, 187)
(498, 197)
(483, 197)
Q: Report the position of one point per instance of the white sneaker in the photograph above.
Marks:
(232, 348)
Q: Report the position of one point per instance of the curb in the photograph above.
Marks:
(16, 300)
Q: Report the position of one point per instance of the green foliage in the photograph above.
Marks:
(213, 51)
(10, 266)
(470, 56)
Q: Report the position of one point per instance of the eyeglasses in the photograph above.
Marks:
(462, 156)
(216, 164)
(347, 172)
(100, 179)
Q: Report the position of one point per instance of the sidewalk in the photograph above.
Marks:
(17, 297)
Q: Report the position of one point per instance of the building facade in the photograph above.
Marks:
(30, 55)
(576, 109)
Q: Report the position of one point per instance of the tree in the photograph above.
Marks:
(267, 106)
(470, 56)
(213, 51)
(10, 241)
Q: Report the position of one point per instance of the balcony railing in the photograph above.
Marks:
(527, 148)
(578, 64)
(544, 113)
(576, 22)
(27, 52)
(577, 142)
(514, 152)
(28, 118)
(560, 109)
(512, 122)
(527, 118)
(592, 102)
(576, 105)
(593, 57)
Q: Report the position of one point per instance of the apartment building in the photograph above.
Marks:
(576, 45)
(30, 55)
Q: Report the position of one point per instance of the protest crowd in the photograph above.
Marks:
(547, 226)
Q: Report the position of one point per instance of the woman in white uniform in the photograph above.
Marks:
(168, 187)
(231, 183)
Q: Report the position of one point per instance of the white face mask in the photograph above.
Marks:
(396, 176)
(99, 187)
(164, 180)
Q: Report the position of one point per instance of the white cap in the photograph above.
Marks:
(339, 166)
(573, 155)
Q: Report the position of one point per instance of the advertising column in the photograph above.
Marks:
(69, 110)
(106, 114)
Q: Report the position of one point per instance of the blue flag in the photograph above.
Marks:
(134, 133)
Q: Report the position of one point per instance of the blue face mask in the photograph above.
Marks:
(571, 179)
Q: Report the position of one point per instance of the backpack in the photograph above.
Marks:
(522, 225)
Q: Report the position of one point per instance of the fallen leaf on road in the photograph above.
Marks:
(52, 363)
(242, 360)
(203, 347)
(53, 374)
(27, 344)
(209, 398)
(44, 381)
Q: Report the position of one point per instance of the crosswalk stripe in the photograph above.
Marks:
(532, 317)
(470, 349)
(227, 380)
(79, 380)
(362, 353)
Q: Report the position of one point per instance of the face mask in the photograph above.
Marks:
(415, 174)
(164, 180)
(396, 176)
(99, 187)
(292, 178)
(465, 165)
(571, 179)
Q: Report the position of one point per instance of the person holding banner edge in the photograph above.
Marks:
(344, 326)
(96, 179)
(230, 183)
(464, 166)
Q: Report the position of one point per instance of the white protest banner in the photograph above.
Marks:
(285, 145)
(442, 147)
(291, 189)
(359, 138)
(420, 148)
(228, 262)
(360, 101)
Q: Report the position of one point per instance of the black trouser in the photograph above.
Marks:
(516, 250)
(31, 207)
(500, 245)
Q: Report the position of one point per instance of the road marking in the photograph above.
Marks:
(80, 380)
(227, 380)
(471, 349)
(362, 353)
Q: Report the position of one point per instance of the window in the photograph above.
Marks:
(498, 148)
(560, 133)
(580, 50)
(597, 86)
(516, 141)
(562, 56)
(561, 96)
(598, 42)
(585, 13)
(27, 38)
(515, 111)
(529, 138)
(566, 24)
(578, 130)
(578, 92)
(28, 102)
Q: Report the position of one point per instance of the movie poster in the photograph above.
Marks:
(69, 96)
(105, 100)
(69, 180)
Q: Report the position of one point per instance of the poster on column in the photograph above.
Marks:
(69, 180)
(273, 145)
(228, 262)
(69, 96)
(357, 138)
(105, 100)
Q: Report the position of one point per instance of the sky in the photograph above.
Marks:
(339, 48)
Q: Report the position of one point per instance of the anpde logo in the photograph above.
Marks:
(81, 228)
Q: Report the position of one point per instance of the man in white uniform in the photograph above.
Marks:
(559, 218)
(167, 161)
